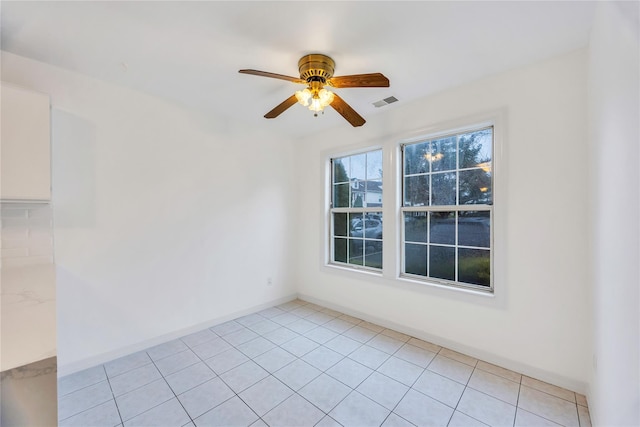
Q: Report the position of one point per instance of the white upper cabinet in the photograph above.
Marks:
(25, 154)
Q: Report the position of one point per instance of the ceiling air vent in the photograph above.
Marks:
(386, 101)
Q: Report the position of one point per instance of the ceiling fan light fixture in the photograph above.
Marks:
(314, 98)
(326, 97)
(320, 100)
(303, 96)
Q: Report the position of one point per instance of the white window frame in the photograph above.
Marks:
(332, 210)
(448, 208)
(390, 275)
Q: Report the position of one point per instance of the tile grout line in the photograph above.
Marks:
(221, 379)
(517, 402)
(326, 414)
(362, 344)
(91, 407)
(115, 402)
(170, 388)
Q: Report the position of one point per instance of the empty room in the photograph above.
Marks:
(298, 213)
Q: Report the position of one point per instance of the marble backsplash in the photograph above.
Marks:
(27, 234)
(27, 284)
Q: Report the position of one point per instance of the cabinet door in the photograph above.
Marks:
(25, 151)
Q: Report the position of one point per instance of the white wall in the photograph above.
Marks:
(614, 111)
(163, 218)
(538, 321)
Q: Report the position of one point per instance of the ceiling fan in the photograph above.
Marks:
(316, 71)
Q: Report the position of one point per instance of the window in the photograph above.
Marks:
(356, 210)
(447, 212)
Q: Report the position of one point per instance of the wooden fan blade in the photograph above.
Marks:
(273, 76)
(347, 112)
(281, 108)
(359, 80)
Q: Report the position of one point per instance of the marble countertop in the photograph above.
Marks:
(28, 314)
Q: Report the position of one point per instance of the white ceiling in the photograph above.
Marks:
(190, 52)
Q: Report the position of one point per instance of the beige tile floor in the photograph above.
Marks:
(300, 364)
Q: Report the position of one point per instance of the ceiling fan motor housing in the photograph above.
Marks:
(316, 67)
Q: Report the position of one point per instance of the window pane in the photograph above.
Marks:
(373, 225)
(357, 194)
(374, 194)
(340, 250)
(415, 227)
(475, 187)
(355, 225)
(475, 148)
(474, 228)
(443, 227)
(355, 251)
(416, 158)
(341, 170)
(340, 224)
(474, 266)
(373, 254)
(415, 259)
(443, 188)
(374, 165)
(416, 190)
(443, 154)
(442, 262)
(341, 196)
(358, 167)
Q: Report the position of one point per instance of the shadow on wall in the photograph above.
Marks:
(73, 149)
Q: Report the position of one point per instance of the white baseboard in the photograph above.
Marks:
(513, 365)
(76, 366)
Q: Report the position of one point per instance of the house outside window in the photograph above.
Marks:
(447, 209)
(356, 210)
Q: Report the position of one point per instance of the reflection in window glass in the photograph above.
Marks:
(442, 262)
(341, 195)
(415, 227)
(475, 148)
(373, 197)
(475, 187)
(443, 154)
(373, 254)
(443, 188)
(374, 165)
(358, 167)
(442, 227)
(416, 158)
(416, 190)
(341, 170)
(356, 254)
(340, 224)
(474, 266)
(340, 250)
(415, 259)
(355, 224)
(474, 229)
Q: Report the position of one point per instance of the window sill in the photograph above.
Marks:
(359, 270)
(470, 291)
(407, 282)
